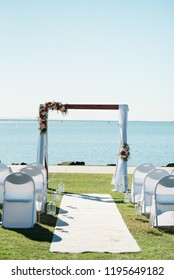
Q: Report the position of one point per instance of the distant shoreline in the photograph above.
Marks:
(95, 169)
(80, 120)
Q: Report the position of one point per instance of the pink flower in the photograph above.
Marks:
(43, 113)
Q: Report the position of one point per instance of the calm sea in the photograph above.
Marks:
(94, 142)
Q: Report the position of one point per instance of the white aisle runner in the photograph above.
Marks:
(91, 223)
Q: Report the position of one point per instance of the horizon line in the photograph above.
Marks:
(108, 120)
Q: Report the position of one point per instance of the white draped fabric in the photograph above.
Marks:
(120, 180)
(42, 152)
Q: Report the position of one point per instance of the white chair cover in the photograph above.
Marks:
(44, 171)
(148, 189)
(19, 201)
(38, 178)
(172, 172)
(162, 213)
(4, 172)
(138, 180)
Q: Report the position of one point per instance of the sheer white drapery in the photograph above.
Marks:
(120, 180)
(42, 151)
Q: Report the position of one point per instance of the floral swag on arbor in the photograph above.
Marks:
(125, 152)
(43, 113)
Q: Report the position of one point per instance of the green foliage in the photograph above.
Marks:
(34, 243)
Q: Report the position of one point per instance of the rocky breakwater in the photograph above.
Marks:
(72, 163)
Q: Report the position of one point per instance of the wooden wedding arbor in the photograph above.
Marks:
(120, 177)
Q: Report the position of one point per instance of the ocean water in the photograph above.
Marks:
(94, 142)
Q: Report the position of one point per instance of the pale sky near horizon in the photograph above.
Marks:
(87, 51)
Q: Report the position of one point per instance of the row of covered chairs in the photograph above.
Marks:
(153, 188)
(138, 177)
(22, 194)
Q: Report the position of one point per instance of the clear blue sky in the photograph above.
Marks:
(87, 51)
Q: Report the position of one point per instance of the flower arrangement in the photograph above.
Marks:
(125, 152)
(43, 113)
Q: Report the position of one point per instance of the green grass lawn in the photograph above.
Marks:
(34, 243)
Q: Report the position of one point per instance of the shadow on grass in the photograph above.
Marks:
(50, 190)
(142, 220)
(37, 233)
(40, 232)
(160, 230)
(118, 201)
(49, 220)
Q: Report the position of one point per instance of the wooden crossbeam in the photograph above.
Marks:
(93, 106)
